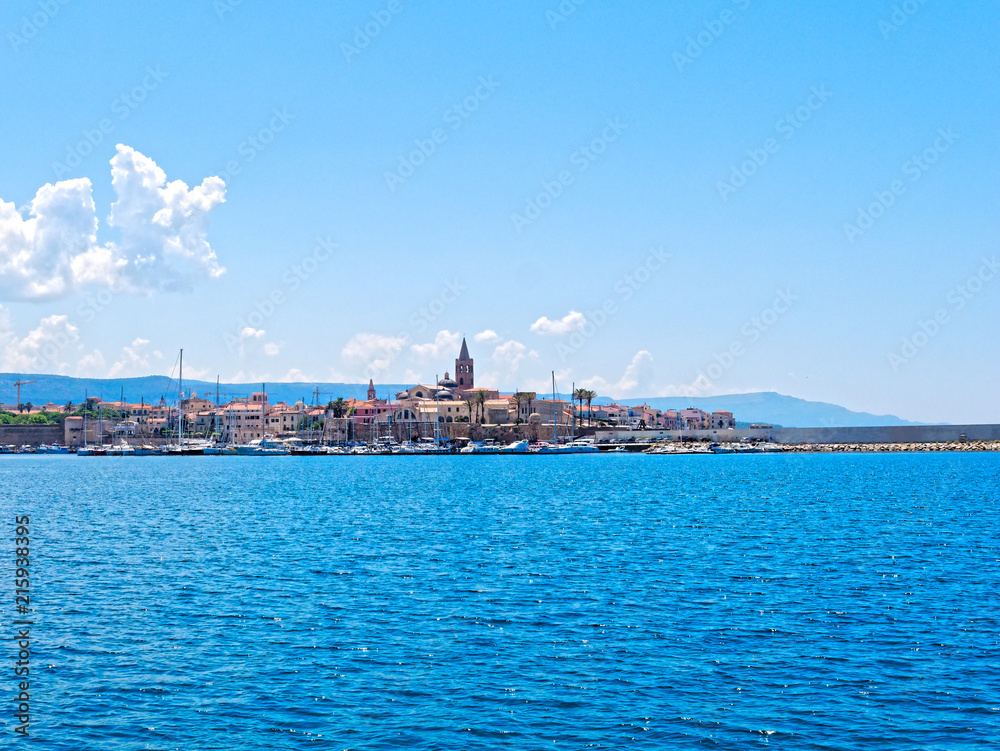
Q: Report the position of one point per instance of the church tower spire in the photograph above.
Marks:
(371, 390)
(465, 369)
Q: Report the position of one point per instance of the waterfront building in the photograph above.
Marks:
(694, 419)
(722, 420)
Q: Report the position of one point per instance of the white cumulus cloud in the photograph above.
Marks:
(638, 376)
(44, 349)
(163, 228)
(372, 351)
(568, 324)
(445, 344)
(92, 365)
(295, 376)
(510, 354)
(486, 337)
(133, 360)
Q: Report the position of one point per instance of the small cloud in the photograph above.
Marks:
(251, 333)
(92, 365)
(43, 349)
(486, 337)
(374, 352)
(295, 376)
(637, 377)
(133, 360)
(511, 354)
(271, 349)
(445, 345)
(568, 324)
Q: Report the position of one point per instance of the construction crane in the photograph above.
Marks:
(317, 393)
(19, 383)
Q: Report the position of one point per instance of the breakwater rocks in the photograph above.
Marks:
(874, 448)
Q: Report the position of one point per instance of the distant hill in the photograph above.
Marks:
(61, 389)
(775, 409)
(767, 407)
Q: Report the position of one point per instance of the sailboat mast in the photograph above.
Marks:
(215, 417)
(180, 402)
(572, 410)
(555, 423)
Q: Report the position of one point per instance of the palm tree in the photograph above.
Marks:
(589, 396)
(518, 398)
(468, 405)
(530, 396)
(350, 423)
(580, 395)
(69, 407)
(338, 407)
(481, 403)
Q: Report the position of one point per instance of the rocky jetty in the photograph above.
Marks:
(871, 448)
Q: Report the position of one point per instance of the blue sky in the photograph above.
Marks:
(651, 199)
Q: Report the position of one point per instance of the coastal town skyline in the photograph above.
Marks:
(666, 212)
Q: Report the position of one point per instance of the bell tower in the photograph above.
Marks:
(371, 390)
(465, 374)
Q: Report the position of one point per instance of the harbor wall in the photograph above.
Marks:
(888, 434)
(30, 435)
(874, 434)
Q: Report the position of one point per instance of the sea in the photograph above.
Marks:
(806, 601)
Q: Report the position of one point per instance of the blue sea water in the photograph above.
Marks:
(574, 602)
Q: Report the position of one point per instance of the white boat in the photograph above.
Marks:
(266, 446)
(582, 446)
(518, 447)
(485, 447)
(576, 447)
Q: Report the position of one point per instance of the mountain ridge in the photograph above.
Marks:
(757, 407)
